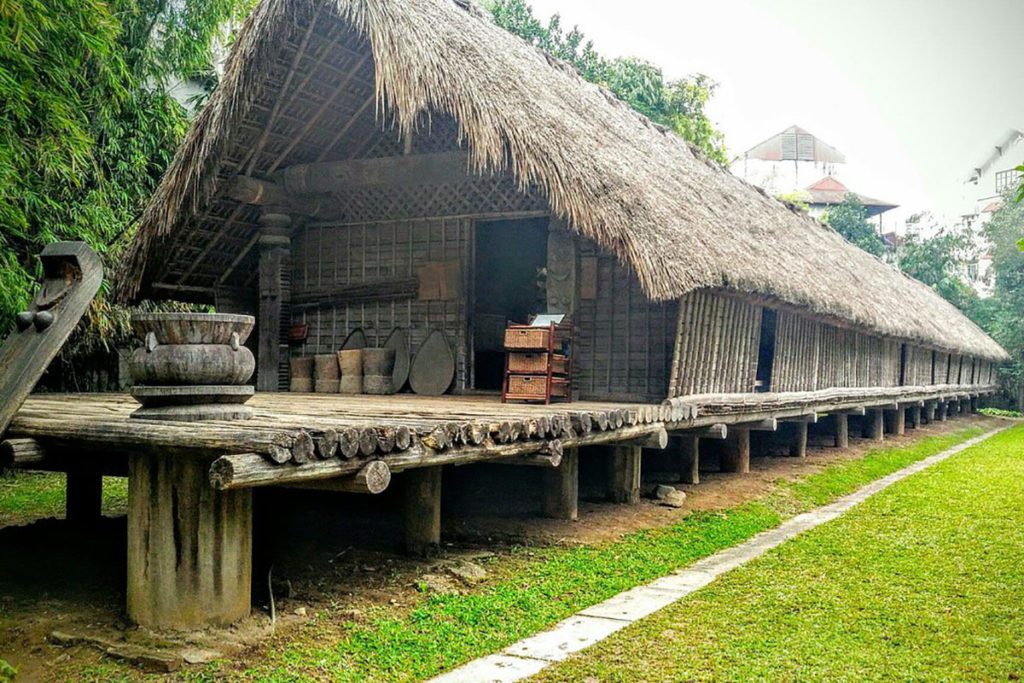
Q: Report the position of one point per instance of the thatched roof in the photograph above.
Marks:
(682, 222)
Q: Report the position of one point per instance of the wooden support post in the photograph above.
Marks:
(973, 405)
(562, 487)
(929, 412)
(84, 500)
(736, 452)
(275, 247)
(624, 474)
(943, 411)
(422, 511)
(798, 445)
(189, 546)
(896, 421)
(915, 417)
(689, 459)
(841, 430)
(874, 424)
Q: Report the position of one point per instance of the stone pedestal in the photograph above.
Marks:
(189, 545)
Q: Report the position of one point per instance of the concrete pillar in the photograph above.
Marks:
(624, 474)
(841, 430)
(896, 421)
(914, 420)
(736, 451)
(84, 495)
(189, 545)
(874, 424)
(798, 439)
(421, 513)
(562, 487)
(688, 446)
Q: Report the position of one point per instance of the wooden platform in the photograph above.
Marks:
(190, 516)
(308, 437)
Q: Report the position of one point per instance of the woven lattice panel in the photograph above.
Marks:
(484, 196)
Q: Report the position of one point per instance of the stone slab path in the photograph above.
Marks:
(530, 655)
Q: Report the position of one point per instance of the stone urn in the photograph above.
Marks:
(192, 366)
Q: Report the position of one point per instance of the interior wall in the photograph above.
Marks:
(326, 257)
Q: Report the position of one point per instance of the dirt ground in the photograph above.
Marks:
(62, 587)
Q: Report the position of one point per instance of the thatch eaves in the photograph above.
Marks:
(681, 222)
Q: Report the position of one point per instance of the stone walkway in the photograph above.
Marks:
(594, 624)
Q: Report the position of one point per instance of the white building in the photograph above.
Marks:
(799, 165)
(985, 189)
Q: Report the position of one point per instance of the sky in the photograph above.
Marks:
(915, 93)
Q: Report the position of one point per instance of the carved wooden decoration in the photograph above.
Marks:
(72, 274)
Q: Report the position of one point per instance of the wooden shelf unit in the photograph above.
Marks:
(538, 363)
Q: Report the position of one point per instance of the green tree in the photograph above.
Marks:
(679, 105)
(87, 122)
(1002, 315)
(850, 219)
(940, 261)
(1020, 190)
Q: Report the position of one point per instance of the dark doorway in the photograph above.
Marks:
(766, 351)
(509, 287)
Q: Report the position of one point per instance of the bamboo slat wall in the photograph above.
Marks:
(624, 341)
(350, 255)
(717, 345)
(917, 369)
(797, 347)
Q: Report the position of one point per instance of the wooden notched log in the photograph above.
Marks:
(21, 453)
(657, 440)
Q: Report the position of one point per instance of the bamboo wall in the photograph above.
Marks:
(717, 345)
(357, 254)
(624, 341)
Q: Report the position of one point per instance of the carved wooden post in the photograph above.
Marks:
(874, 424)
(561, 269)
(275, 248)
(422, 511)
(624, 474)
(689, 458)
(736, 451)
(84, 502)
(561, 487)
(841, 430)
(189, 545)
(798, 444)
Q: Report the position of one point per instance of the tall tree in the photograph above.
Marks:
(87, 121)
(1002, 315)
(850, 219)
(679, 105)
(939, 257)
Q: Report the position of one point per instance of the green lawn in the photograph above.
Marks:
(28, 496)
(923, 582)
(536, 588)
